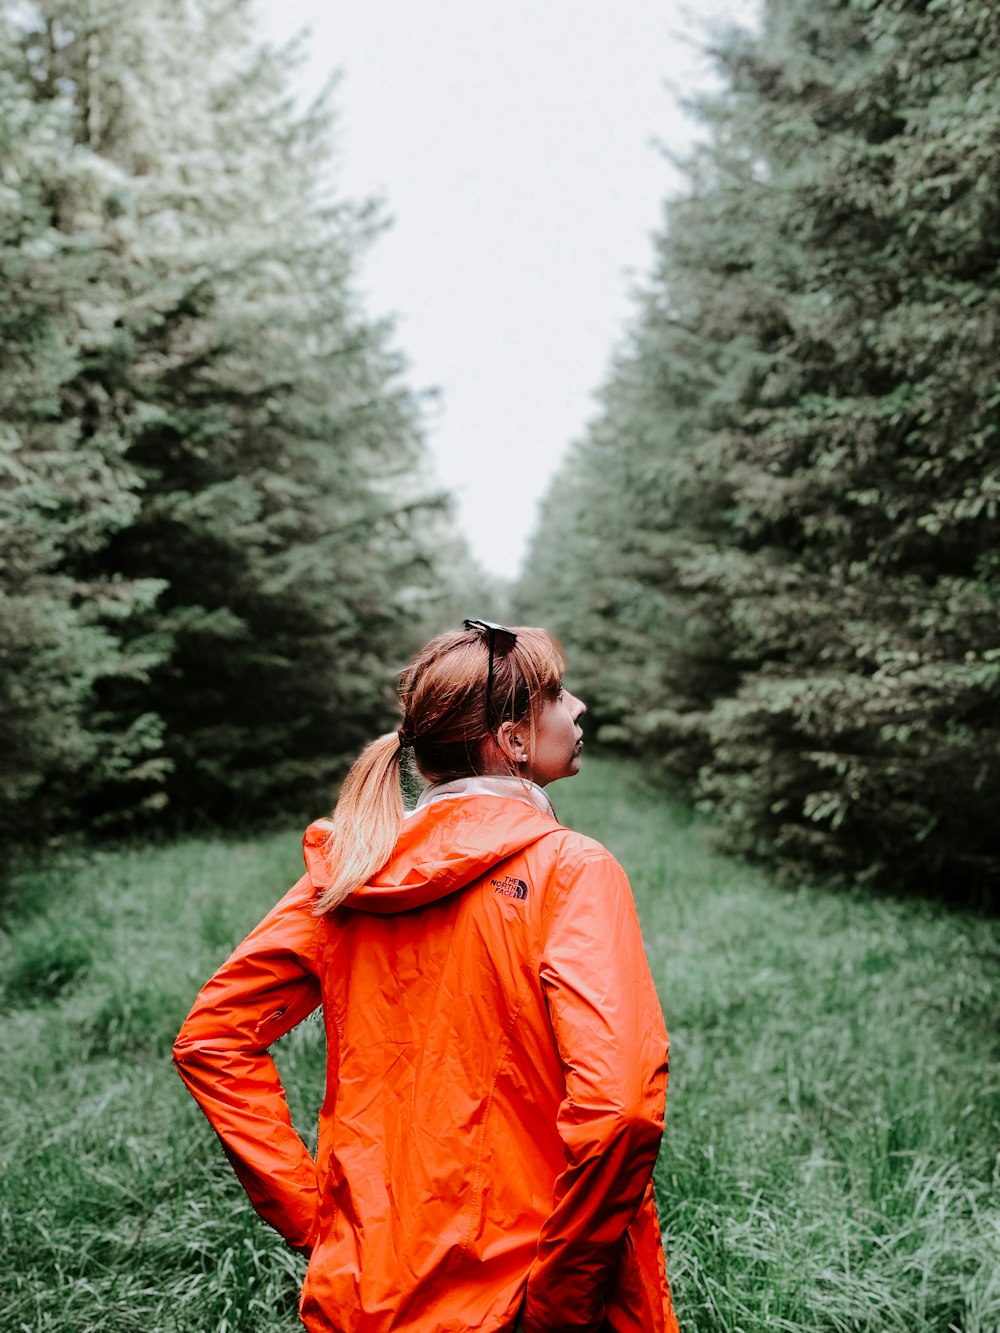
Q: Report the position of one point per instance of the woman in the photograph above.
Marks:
(496, 1058)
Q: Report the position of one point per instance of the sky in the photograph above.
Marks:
(518, 149)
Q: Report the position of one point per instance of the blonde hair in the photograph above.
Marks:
(453, 731)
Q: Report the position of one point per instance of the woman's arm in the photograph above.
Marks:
(608, 1027)
(267, 986)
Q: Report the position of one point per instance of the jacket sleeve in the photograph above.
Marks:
(268, 985)
(608, 1027)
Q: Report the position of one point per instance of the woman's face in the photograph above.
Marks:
(558, 740)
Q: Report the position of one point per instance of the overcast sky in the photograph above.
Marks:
(513, 145)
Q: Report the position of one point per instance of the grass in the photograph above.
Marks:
(830, 1160)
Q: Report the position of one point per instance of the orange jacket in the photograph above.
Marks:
(496, 1069)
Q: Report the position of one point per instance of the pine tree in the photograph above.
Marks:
(59, 501)
(276, 475)
(817, 347)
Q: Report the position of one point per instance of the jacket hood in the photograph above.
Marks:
(443, 846)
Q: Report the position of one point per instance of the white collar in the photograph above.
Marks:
(489, 784)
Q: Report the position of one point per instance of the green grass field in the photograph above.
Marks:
(830, 1160)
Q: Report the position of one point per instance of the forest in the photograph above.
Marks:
(775, 554)
(772, 557)
(218, 532)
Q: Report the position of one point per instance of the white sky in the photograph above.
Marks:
(512, 144)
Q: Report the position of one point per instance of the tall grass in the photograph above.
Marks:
(830, 1160)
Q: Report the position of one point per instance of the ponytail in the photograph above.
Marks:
(451, 697)
(366, 820)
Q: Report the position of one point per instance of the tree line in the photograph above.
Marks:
(219, 537)
(774, 556)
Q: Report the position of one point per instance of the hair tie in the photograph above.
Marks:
(405, 741)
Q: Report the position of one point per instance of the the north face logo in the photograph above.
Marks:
(510, 887)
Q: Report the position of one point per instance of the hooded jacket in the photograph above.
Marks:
(496, 1072)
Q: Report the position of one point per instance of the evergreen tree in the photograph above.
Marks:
(59, 501)
(816, 349)
(275, 478)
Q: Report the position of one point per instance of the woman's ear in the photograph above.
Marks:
(511, 742)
